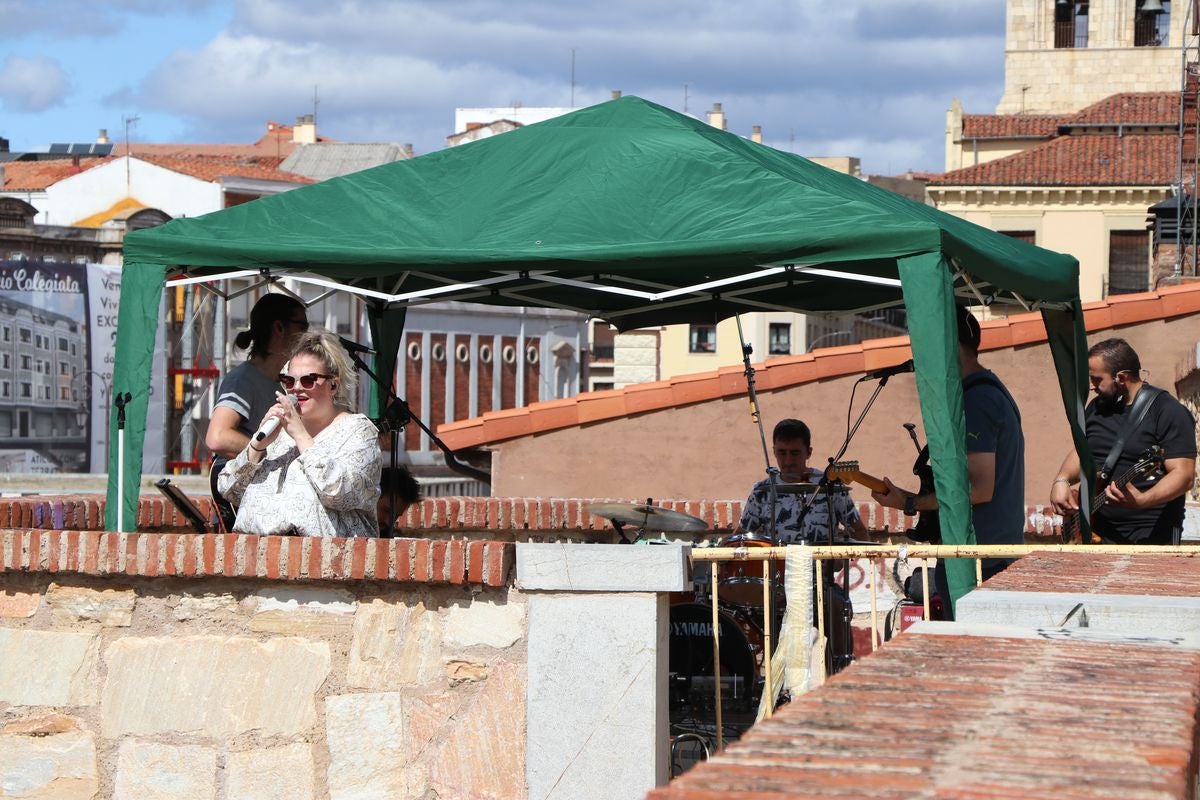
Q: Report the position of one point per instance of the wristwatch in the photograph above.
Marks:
(910, 505)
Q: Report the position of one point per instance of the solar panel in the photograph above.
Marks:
(60, 148)
(102, 149)
(80, 149)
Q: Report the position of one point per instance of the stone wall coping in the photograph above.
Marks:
(603, 568)
(275, 558)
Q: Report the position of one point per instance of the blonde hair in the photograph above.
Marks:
(323, 345)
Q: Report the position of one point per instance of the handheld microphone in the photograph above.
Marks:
(269, 427)
(355, 347)
(887, 372)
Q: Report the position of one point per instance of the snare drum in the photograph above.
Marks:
(740, 583)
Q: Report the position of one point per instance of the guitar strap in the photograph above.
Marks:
(1137, 413)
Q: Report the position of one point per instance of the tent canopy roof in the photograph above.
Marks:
(678, 221)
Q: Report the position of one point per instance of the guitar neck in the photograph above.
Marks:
(869, 481)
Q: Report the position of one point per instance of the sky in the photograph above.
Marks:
(865, 78)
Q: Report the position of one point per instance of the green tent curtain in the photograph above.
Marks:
(635, 214)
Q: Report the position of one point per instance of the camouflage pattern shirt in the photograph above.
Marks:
(756, 513)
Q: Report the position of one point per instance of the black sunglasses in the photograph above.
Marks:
(306, 381)
(302, 324)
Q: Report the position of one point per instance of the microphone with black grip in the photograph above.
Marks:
(274, 422)
(888, 372)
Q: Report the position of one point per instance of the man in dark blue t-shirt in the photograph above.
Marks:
(1148, 509)
(995, 456)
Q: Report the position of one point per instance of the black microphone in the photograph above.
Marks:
(887, 372)
(355, 347)
(273, 423)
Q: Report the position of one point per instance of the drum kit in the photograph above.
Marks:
(741, 620)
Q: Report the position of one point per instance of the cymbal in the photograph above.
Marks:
(652, 518)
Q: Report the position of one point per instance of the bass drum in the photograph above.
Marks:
(691, 656)
(740, 583)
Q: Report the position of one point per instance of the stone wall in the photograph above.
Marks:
(222, 667)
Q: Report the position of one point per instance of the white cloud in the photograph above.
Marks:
(67, 19)
(32, 84)
(857, 72)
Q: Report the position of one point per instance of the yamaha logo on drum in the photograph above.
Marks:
(703, 629)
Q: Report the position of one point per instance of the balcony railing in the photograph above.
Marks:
(1069, 35)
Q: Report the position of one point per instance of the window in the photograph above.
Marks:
(702, 339)
(779, 339)
(64, 368)
(1128, 261)
(7, 333)
(1150, 24)
(26, 336)
(26, 389)
(62, 345)
(6, 389)
(1070, 24)
(1024, 236)
(26, 362)
(64, 393)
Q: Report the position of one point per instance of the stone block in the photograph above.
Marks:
(319, 613)
(458, 672)
(394, 645)
(48, 761)
(1136, 615)
(154, 771)
(498, 625)
(374, 741)
(110, 607)
(193, 606)
(55, 668)
(20, 596)
(595, 699)
(483, 754)
(602, 568)
(212, 685)
(279, 772)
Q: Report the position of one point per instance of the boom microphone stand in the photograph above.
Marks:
(825, 486)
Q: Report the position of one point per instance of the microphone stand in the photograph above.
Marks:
(394, 419)
(825, 486)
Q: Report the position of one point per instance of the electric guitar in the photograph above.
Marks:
(1148, 467)
(926, 529)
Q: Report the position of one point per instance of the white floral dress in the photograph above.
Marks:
(331, 489)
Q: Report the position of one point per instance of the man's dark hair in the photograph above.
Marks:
(408, 491)
(1117, 356)
(788, 429)
(969, 333)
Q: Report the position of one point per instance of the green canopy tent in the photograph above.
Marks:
(635, 214)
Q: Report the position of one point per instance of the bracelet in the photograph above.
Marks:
(1061, 480)
(257, 449)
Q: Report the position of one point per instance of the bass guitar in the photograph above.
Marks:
(1149, 466)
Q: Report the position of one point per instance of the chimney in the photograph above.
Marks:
(616, 94)
(305, 130)
(474, 126)
(756, 134)
(103, 137)
(408, 150)
(716, 117)
(3, 145)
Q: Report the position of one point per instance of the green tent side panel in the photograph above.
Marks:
(137, 323)
(929, 297)
(1067, 336)
(387, 335)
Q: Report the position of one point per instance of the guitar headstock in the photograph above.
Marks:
(1149, 463)
(844, 470)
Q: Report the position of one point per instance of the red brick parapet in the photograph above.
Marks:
(440, 514)
(281, 558)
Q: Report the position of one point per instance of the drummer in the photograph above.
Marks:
(792, 443)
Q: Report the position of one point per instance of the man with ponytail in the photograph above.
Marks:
(248, 391)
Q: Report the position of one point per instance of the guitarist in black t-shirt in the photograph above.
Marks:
(1146, 510)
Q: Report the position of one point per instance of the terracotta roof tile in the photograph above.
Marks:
(275, 143)
(785, 371)
(34, 176)
(1081, 160)
(211, 168)
(1010, 126)
(1131, 108)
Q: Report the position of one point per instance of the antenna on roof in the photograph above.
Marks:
(316, 102)
(572, 77)
(685, 97)
(128, 122)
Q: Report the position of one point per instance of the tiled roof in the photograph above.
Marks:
(211, 168)
(323, 161)
(275, 143)
(35, 176)
(1130, 108)
(1102, 159)
(786, 371)
(1010, 126)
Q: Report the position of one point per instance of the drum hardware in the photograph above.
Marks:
(647, 517)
